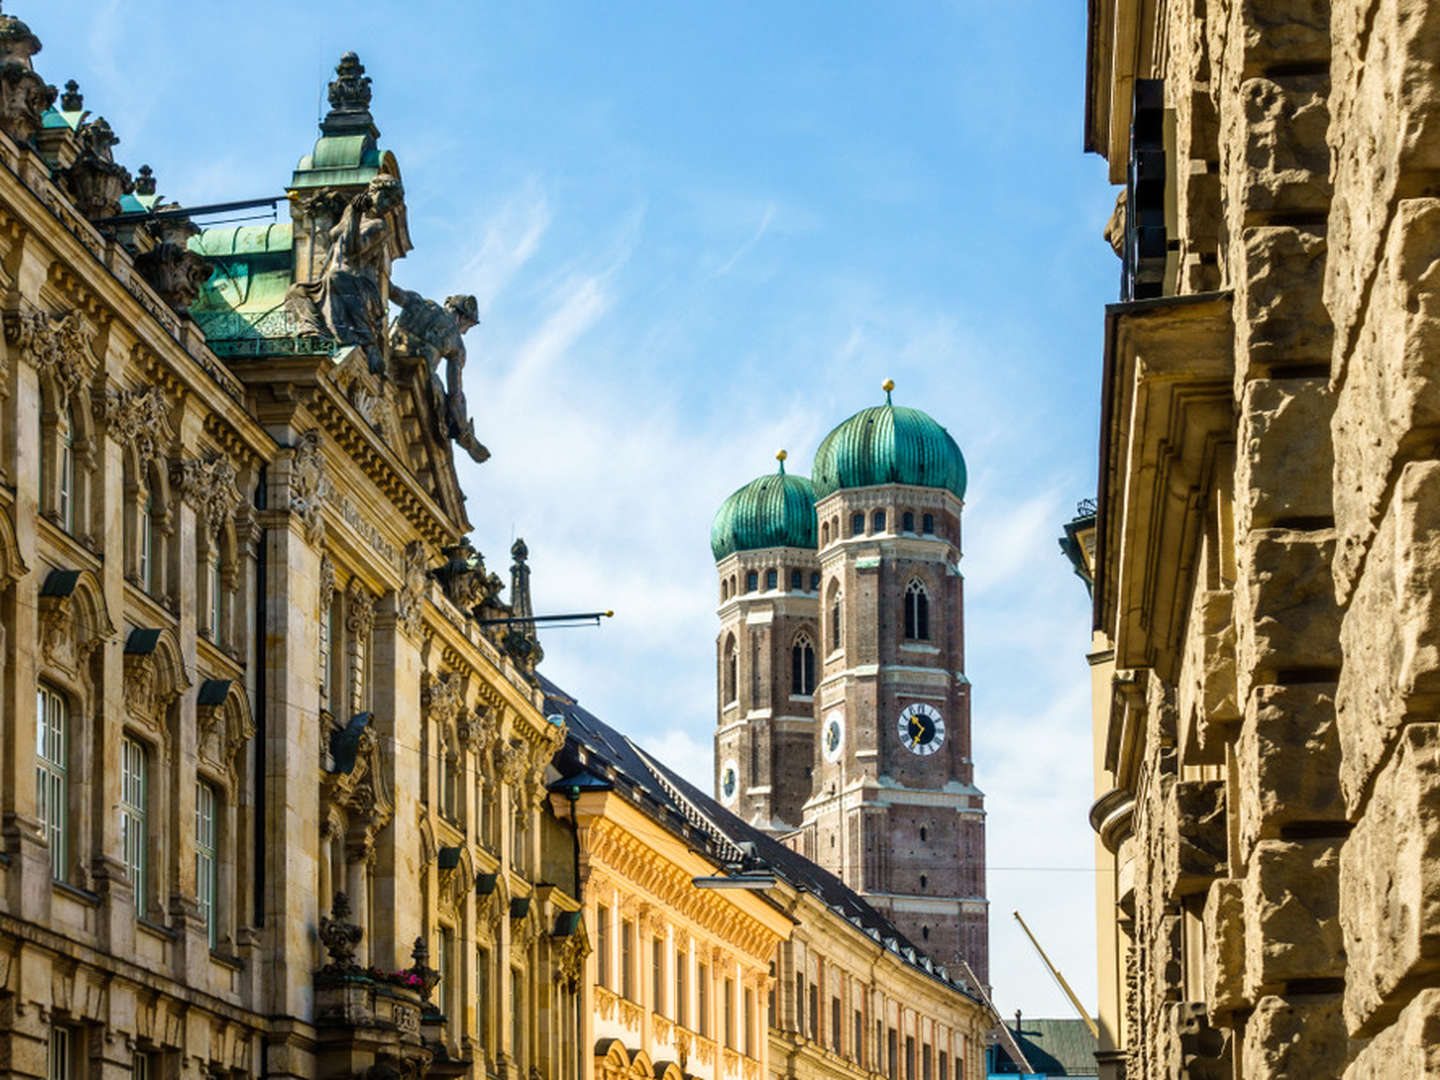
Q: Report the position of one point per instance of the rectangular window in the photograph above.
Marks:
(448, 999)
(799, 1002)
(835, 1024)
(518, 1025)
(702, 999)
(657, 975)
(729, 1012)
(772, 579)
(857, 524)
(627, 959)
(859, 1030)
(681, 989)
(877, 521)
(749, 1022)
(962, 1066)
(206, 857)
(797, 580)
(324, 631)
(909, 1057)
(944, 1065)
(602, 945)
(482, 997)
(52, 780)
(58, 1067)
(927, 524)
(134, 835)
(145, 544)
(814, 1012)
(67, 482)
(144, 1068)
(215, 594)
(892, 1045)
(925, 1064)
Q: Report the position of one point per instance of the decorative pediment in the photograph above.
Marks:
(207, 484)
(73, 618)
(57, 346)
(140, 420)
(225, 722)
(154, 676)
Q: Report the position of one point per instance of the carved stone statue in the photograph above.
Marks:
(94, 180)
(24, 95)
(345, 302)
(438, 333)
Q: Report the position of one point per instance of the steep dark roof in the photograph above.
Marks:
(594, 749)
(1056, 1047)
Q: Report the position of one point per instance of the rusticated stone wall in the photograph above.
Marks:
(1282, 896)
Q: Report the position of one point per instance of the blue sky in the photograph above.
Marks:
(699, 233)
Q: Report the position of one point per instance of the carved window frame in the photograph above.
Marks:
(917, 611)
(148, 514)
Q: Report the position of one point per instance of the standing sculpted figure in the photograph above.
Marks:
(438, 333)
(344, 303)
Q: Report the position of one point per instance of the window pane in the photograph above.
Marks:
(133, 829)
(205, 856)
(59, 1063)
(52, 788)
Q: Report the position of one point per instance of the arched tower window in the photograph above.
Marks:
(917, 612)
(802, 666)
(907, 521)
(877, 521)
(752, 581)
(772, 580)
(928, 523)
(732, 669)
(834, 615)
(857, 524)
(824, 534)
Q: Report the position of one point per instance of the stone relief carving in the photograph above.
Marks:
(208, 485)
(437, 332)
(308, 484)
(24, 95)
(57, 346)
(345, 302)
(327, 586)
(139, 418)
(514, 763)
(443, 698)
(411, 600)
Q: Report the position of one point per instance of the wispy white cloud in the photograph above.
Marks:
(754, 238)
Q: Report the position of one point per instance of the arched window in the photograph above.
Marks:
(754, 670)
(772, 579)
(815, 581)
(927, 524)
(65, 498)
(797, 580)
(752, 581)
(52, 777)
(834, 615)
(802, 666)
(824, 534)
(857, 524)
(917, 612)
(907, 522)
(877, 521)
(732, 670)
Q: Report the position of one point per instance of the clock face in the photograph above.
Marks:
(729, 782)
(832, 736)
(921, 728)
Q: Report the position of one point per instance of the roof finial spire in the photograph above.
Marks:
(780, 456)
(887, 386)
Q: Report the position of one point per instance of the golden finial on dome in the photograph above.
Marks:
(887, 386)
(780, 456)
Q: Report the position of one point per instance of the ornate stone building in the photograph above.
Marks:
(795, 978)
(843, 712)
(1264, 562)
(272, 789)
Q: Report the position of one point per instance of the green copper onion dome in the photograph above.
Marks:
(777, 510)
(888, 444)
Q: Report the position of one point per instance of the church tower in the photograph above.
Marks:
(879, 748)
(767, 652)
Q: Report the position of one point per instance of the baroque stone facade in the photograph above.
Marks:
(1264, 554)
(272, 795)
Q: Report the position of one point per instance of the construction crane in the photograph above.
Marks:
(1060, 980)
(1002, 1033)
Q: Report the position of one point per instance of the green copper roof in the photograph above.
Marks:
(888, 444)
(338, 160)
(245, 296)
(777, 510)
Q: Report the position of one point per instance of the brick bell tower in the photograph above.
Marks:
(893, 808)
(768, 651)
